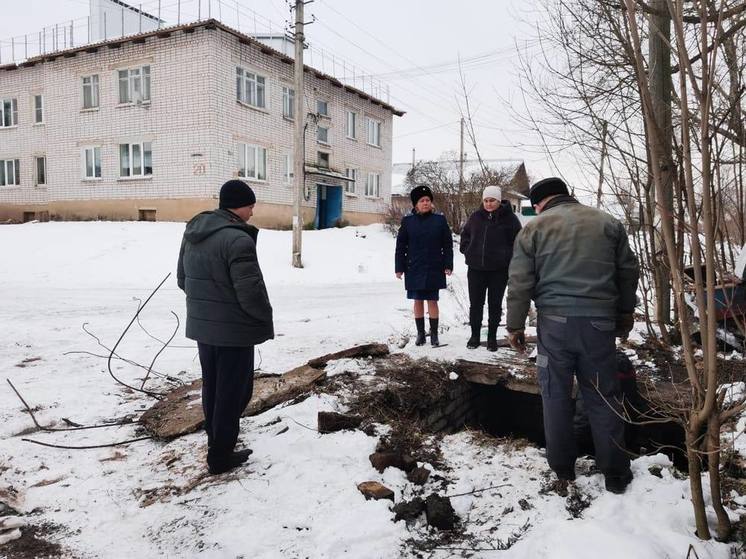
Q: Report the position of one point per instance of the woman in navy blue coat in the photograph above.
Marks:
(424, 256)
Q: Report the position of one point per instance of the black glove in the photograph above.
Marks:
(624, 324)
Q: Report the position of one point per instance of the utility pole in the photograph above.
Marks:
(660, 90)
(460, 175)
(413, 159)
(299, 155)
(604, 128)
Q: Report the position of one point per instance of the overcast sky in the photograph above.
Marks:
(410, 45)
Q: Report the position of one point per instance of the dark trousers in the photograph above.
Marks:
(489, 284)
(570, 346)
(227, 385)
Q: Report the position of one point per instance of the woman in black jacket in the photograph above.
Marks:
(487, 242)
(424, 255)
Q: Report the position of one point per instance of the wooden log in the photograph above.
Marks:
(366, 350)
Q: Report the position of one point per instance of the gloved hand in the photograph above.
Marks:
(624, 324)
(517, 339)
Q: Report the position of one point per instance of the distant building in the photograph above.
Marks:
(150, 125)
(516, 189)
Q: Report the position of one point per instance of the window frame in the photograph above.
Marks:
(15, 166)
(377, 126)
(38, 111)
(84, 163)
(376, 188)
(288, 102)
(351, 187)
(354, 115)
(131, 159)
(245, 78)
(319, 135)
(325, 114)
(243, 154)
(144, 84)
(289, 170)
(13, 101)
(95, 91)
(328, 159)
(40, 179)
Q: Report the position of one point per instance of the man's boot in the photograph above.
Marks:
(420, 322)
(474, 341)
(434, 332)
(492, 337)
(221, 464)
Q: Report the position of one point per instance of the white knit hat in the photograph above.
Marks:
(492, 192)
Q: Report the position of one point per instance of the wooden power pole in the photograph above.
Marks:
(299, 155)
(660, 89)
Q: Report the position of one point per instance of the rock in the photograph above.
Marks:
(180, 412)
(656, 470)
(11, 522)
(439, 512)
(10, 535)
(524, 504)
(366, 350)
(409, 510)
(376, 491)
(330, 421)
(419, 475)
(383, 460)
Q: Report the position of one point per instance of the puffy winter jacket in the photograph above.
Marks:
(487, 238)
(227, 301)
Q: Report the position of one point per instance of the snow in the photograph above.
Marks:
(297, 497)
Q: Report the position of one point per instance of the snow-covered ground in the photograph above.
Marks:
(297, 496)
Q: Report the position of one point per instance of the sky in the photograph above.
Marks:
(410, 47)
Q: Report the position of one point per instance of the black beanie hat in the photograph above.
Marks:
(547, 187)
(236, 194)
(420, 192)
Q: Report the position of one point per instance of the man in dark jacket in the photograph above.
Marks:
(576, 264)
(487, 242)
(228, 313)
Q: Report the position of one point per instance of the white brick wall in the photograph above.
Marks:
(193, 121)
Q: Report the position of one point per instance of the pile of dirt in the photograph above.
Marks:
(32, 544)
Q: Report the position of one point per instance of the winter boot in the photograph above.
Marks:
(474, 341)
(420, 322)
(434, 332)
(492, 337)
(222, 464)
(618, 483)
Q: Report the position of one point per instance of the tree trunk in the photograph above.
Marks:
(713, 466)
(695, 484)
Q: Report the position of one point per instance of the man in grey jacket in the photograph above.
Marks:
(576, 264)
(228, 313)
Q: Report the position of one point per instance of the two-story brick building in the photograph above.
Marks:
(149, 126)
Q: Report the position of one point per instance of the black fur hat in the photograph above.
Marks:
(420, 192)
(547, 187)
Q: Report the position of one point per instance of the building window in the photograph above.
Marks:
(252, 162)
(351, 128)
(41, 170)
(90, 91)
(92, 162)
(322, 107)
(134, 85)
(322, 159)
(322, 134)
(10, 172)
(135, 160)
(8, 113)
(288, 103)
(38, 109)
(287, 170)
(250, 88)
(350, 185)
(373, 185)
(374, 132)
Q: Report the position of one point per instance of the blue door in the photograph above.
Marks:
(328, 206)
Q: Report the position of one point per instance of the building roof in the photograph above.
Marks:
(399, 171)
(165, 32)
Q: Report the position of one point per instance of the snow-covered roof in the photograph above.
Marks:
(399, 171)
